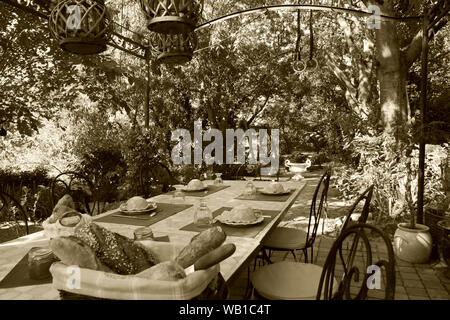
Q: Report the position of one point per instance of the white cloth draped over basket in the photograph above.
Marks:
(130, 287)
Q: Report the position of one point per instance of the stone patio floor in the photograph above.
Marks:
(430, 281)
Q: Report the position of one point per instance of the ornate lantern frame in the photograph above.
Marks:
(172, 16)
(173, 48)
(81, 26)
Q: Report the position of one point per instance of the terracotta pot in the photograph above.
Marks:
(413, 245)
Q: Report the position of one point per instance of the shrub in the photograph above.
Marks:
(319, 159)
(394, 173)
(297, 157)
(106, 169)
(149, 168)
(27, 187)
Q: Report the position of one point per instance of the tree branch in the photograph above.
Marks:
(258, 111)
(341, 75)
(412, 51)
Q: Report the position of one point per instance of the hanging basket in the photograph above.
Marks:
(173, 48)
(81, 26)
(172, 16)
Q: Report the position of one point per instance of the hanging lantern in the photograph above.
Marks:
(172, 16)
(173, 48)
(80, 25)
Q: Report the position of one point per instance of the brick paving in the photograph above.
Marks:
(430, 281)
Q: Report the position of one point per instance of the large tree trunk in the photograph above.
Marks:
(392, 72)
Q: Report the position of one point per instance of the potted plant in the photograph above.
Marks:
(412, 241)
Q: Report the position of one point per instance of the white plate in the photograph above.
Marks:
(151, 206)
(223, 219)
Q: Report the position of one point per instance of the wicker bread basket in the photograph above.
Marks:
(93, 284)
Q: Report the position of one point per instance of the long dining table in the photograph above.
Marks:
(176, 228)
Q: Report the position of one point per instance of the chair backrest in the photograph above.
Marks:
(367, 196)
(359, 277)
(5, 202)
(317, 207)
(69, 180)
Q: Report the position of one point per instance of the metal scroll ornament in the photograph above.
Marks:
(173, 48)
(81, 26)
(172, 16)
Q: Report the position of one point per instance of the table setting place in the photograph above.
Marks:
(142, 212)
(274, 191)
(198, 188)
(241, 220)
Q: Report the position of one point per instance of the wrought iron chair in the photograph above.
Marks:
(360, 267)
(6, 200)
(350, 276)
(290, 239)
(80, 187)
(367, 196)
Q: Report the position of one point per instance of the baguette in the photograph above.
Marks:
(167, 270)
(200, 245)
(213, 257)
(72, 251)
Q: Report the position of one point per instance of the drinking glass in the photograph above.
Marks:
(250, 189)
(218, 181)
(179, 192)
(203, 216)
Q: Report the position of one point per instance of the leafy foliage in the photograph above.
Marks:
(63, 111)
(393, 169)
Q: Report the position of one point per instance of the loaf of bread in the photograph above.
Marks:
(167, 270)
(64, 205)
(200, 245)
(119, 253)
(72, 251)
(70, 219)
(215, 256)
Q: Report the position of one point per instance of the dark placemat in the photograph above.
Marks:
(162, 239)
(236, 231)
(163, 211)
(18, 276)
(211, 189)
(264, 197)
